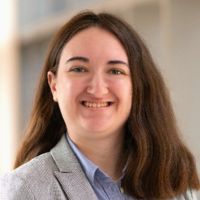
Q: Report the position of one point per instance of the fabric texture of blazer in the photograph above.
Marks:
(56, 175)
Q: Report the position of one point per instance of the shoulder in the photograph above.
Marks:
(19, 183)
(40, 166)
(189, 195)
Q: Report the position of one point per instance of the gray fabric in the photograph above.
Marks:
(189, 195)
(56, 175)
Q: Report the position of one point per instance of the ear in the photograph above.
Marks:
(52, 84)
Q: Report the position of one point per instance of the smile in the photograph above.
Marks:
(96, 104)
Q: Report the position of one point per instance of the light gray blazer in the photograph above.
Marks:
(56, 175)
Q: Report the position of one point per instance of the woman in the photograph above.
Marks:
(102, 126)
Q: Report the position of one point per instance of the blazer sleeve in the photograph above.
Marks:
(192, 195)
(195, 195)
(189, 195)
(14, 188)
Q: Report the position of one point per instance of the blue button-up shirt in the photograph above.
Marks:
(104, 187)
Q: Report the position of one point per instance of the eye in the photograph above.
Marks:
(117, 72)
(78, 69)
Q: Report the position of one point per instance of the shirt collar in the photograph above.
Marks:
(91, 170)
(88, 166)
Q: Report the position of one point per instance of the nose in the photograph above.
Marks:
(97, 86)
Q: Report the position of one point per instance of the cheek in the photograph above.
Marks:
(123, 89)
(69, 89)
(127, 95)
(124, 92)
(67, 98)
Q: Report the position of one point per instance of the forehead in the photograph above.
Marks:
(95, 40)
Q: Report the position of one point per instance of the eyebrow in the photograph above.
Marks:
(115, 62)
(84, 59)
(79, 58)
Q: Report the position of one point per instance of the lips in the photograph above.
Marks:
(102, 104)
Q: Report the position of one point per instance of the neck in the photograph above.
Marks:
(105, 153)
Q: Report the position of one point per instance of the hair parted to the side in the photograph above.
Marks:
(159, 165)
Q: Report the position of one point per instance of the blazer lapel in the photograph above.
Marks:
(70, 174)
(75, 186)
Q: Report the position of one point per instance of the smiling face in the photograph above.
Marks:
(93, 85)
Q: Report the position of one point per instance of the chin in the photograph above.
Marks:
(96, 129)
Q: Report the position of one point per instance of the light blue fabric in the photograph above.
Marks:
(104, 187)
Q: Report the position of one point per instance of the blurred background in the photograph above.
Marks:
(170, 28)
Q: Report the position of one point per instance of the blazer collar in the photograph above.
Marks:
(70, 174)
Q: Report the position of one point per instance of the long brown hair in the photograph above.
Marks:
(159, 165)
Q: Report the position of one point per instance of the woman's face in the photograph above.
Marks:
(93, 85)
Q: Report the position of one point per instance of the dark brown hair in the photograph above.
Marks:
(159, 165)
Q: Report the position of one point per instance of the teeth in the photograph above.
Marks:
(95, 105)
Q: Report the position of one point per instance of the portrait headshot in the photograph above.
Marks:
(102, 125)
